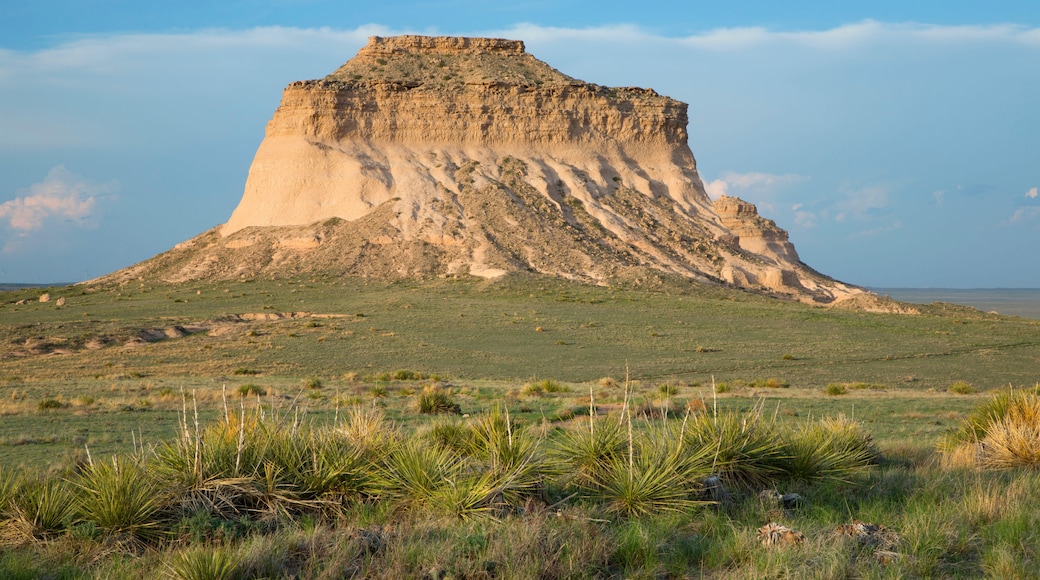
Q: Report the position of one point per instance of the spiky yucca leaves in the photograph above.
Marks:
(1019, 406)
(367, 429)
(510, 452)
(831, 448)
(584, 451)
(39, 508)
(450, 433)
(1011, 442)
(418, 476)
(742, 448)
(205, 563)
(656, 473)
(435, 400)
(1002, 433)
(211, 469)
(121, 498)
(8, 484)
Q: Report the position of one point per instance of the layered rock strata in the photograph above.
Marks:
(430, 156)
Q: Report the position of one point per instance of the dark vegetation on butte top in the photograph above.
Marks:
(474, 318)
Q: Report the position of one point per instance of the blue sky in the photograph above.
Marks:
(897, 142)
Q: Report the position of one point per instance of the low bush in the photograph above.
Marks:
(1002, 433)
(434, 400)
(836, 389)
(962, 388)
(251, 390)
(50, 404)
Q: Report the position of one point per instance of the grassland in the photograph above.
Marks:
(116, 369)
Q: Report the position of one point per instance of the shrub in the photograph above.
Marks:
(405, 375)
(745, 450)
(543, 386)
(962, 388)
(120, 498)
(434, 400)
(835, 389)
(39, 509)
(313, 383)
(667, 390)
(1002, 433)
(205, 563)
(245, 371)
(249, 389)
(830, 448)
(48, 404)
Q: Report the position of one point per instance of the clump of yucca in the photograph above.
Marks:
(205, 563)
(1002, 433)
(122, 498)
(38, 509)
(831, 448)
(435, 400)
(743, 449)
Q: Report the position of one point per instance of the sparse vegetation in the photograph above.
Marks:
(434, 400)
(836, 389)
(544, 483)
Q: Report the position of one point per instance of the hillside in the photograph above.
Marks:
(447, 156)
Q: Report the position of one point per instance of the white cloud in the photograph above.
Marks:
(938, 195)
(1024, 214)
(1032, 193)
(805, 219)
(760, 187)
(716, 189)
(62, 195)
(861, 202)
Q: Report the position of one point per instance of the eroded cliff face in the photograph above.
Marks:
(442, 155)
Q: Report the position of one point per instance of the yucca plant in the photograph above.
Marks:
(741, 448)
(122, 498)
(436, 479)
(434, 400)
(583, 451)
(1018, 406)
(450, 433)
(1002, 433)
(8, 484)
(831, 448)
(39, 508)
(205, 563)
(367, 429)
(509, 451)
(657, 473)
(1010, 442)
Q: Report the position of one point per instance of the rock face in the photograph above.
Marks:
(429, 156)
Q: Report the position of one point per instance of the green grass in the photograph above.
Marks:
(542, 478)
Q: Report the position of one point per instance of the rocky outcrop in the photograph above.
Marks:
(442, 155)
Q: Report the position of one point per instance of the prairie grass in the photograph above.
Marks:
(1002, 433)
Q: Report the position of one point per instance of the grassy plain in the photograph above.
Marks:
(116, 368)
(107, 358)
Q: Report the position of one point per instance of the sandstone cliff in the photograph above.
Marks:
(435, 156)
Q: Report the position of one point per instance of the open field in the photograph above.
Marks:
(122, 369)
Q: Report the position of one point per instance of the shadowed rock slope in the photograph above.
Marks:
(426, 156)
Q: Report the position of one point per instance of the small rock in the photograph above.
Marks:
(45, 297)
(60, 301)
